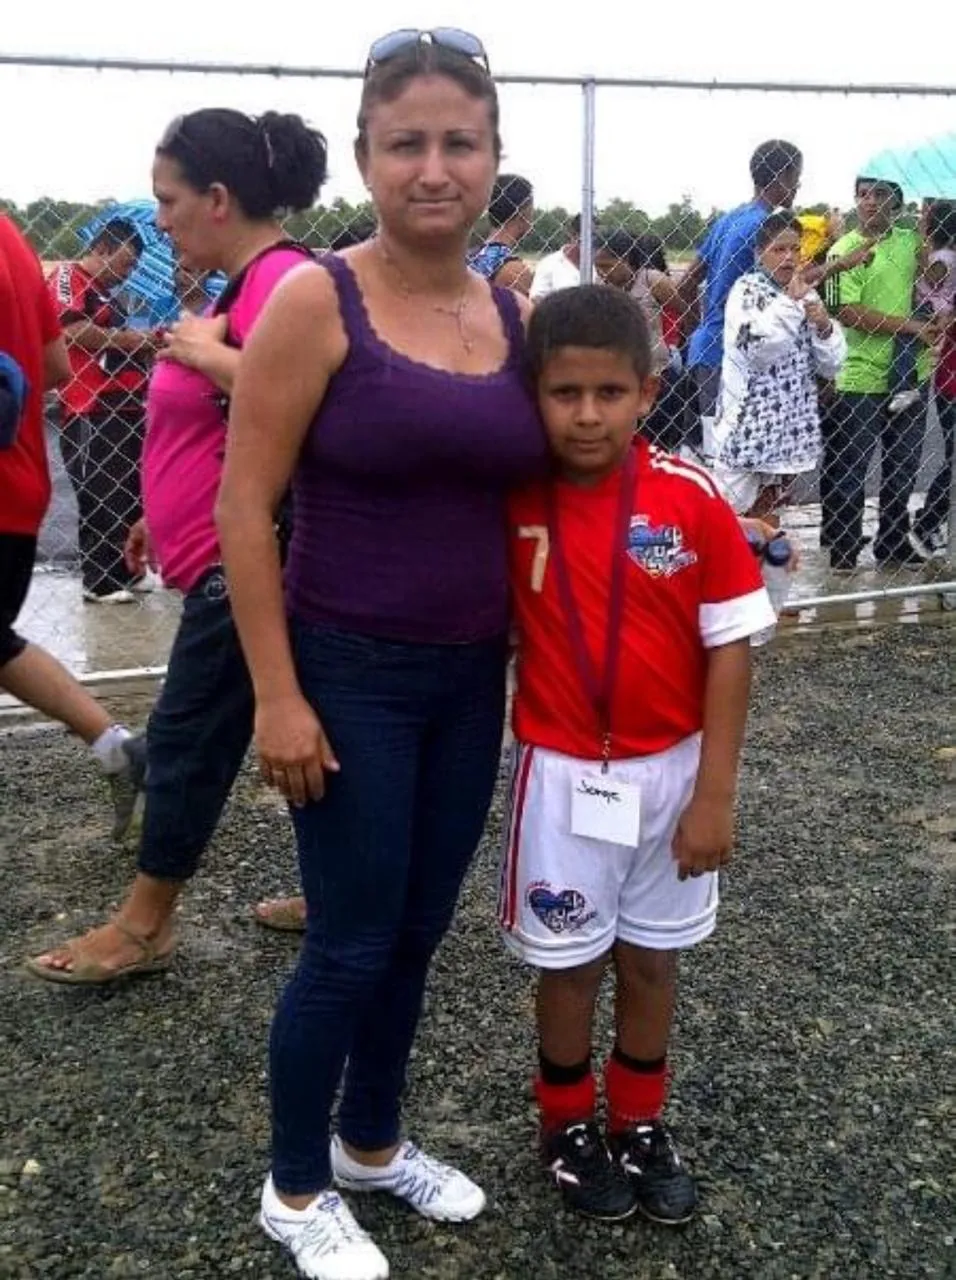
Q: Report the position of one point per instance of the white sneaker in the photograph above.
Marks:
(324, 1239)
(436, 1190)
(150, 581)
(931, 545)
(110, 597)
(902, 401)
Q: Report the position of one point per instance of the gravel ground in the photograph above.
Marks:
(813, 1054)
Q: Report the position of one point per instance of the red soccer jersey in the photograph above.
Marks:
(103, 382)
(28, 323)
(691, 583)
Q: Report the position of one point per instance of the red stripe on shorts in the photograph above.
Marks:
(510, 906)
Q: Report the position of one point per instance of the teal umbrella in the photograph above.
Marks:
(927, 172)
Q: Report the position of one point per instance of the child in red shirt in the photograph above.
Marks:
(635, 595)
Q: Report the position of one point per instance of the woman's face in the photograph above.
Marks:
(192, 219)
(613, 270)
(429, 161)
(781, 257)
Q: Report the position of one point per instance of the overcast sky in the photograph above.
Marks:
(80, 135)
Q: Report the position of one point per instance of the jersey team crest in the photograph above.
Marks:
(658, 549)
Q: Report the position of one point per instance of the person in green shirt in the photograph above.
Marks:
(874, 303)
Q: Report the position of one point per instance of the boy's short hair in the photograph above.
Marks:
(588, 315)
(117, 233)
(775, 224)
(509, 196)
(864, 179)
(638, 252)
(773, 158)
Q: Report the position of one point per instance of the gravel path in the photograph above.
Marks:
(814, 1070)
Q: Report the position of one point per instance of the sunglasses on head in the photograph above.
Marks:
(452, 38)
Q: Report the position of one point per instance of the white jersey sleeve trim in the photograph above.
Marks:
(735, 619)
(672, 466)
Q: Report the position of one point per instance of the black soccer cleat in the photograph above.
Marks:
(665, 1191)
(591, 1182)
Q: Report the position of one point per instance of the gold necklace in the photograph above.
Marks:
(456, 312)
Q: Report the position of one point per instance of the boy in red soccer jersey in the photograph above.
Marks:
(635, 595)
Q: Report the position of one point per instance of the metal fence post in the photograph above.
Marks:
(589, 91)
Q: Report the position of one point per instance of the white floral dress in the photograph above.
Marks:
(768, 417)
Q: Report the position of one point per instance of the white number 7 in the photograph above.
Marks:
(539, 533)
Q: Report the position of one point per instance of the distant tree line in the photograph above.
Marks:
(52, 225)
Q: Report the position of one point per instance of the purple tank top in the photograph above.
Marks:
(399, 526)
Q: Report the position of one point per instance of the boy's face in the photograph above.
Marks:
(876, 207)
(781, 257)
(591, 400)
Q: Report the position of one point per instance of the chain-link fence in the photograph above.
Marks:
(810, 363)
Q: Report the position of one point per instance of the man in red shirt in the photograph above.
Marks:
(102, 405)
(30, 335)
(635, 595)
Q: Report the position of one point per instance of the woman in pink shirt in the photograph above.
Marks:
(220, 179)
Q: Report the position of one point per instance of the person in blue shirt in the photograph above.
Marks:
(724, 255)
(510, 218)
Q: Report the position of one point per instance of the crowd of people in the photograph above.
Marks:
(367, 473)
(789, 346)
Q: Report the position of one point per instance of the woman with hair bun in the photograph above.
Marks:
(222, 180)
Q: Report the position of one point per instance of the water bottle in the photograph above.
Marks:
(775, 556)
(776, 576)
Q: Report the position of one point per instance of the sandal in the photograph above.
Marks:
(282, 914)
(87, 972)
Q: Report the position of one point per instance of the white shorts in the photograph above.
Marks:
(565, 899)
(742, 488)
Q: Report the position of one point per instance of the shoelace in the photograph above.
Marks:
(590, 1153)
(422, 1177)
(330, 1229)
(656, 1140)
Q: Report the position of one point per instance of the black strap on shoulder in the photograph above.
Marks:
(227, 298)
(222, 305)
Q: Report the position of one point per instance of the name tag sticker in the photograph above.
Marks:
(605, 808)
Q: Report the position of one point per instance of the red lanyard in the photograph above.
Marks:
(599, 688)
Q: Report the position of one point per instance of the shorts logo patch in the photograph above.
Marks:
(658, 549)
(560, 910)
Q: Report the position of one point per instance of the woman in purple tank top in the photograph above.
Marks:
(387, 385)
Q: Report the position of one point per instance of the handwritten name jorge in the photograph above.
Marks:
(607, 794)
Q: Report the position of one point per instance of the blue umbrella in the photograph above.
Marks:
(149, 292)
(927, 172)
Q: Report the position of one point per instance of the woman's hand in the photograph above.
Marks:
(766, 533)
(294, 753)
(836, 224)
(800, 283)
(138, 550)
(818, 316)
(191, 339)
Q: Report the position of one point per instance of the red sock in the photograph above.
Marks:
(564, 1104)
(633, 1097)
